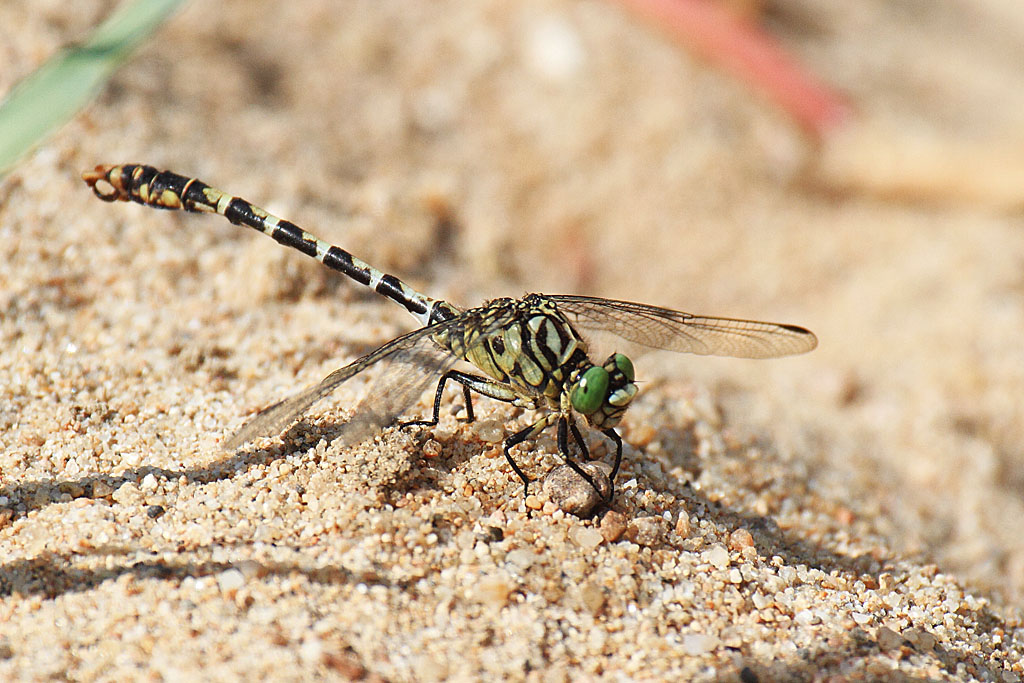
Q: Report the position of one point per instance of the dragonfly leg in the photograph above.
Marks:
(481, 385)
(614, 436)
(519, 437)
(563, 446)
(579, 440)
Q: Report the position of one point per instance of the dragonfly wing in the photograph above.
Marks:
(417, 344)
(410, 364)
(664, 328)
(404, 379)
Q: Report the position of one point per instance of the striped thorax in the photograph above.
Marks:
(538, 353)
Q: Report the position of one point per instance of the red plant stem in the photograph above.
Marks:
(745, 50)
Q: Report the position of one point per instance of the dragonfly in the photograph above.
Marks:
(532, 352)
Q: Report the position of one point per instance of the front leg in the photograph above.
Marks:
(516, 439)
(563, 446)
(614, 436)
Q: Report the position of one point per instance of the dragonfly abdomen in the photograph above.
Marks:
(166, 190)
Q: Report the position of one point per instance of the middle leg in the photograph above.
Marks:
(481, 385)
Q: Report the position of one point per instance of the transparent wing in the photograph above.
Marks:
(410, 347)
(412, 363)
(663, 328)
(406, 376)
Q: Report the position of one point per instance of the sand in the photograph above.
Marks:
(851, 514)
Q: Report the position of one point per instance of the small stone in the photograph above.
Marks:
(642, 435)
(431, 449)
(585, 536)
(647, 531)
(717, 556)
(695, 644)
(683, 525)
(73, 489)
(920, 639)
(740, 539)
(533, 502)
(860, 618)
(230, 580)
(101, 489)
(493, 590)
(572, 493)
(521, 557)
(887, 639)
(251, 569)
(491, 431)
(613, 524)
(311, 651)
(806, 617)
(154, 511)
(592, 597)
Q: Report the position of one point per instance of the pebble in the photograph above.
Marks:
(613, 525)
(431, 449)
(647, 531)
(683, 525)
(493, 590)
(592, 597)
(572, 493)
(717, 556)
(101, 489)
(230, 580)
(490, 431)
(740, 539)
(521, 557)
(585, 536)
(806, 617)
(920, 639)
(695, 644)
(888, 639)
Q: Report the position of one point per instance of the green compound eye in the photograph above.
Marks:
(591, 390)
(625, 365)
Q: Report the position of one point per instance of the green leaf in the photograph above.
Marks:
(46, 99)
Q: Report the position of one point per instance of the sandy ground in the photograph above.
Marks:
(856, 512)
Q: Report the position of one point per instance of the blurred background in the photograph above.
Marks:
(868, 185)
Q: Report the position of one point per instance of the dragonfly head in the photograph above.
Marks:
(603, 392)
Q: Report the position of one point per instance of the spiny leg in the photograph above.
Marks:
(481, 385)
(563, 446)
(460, 377)
(614, 436)
(516, 439)
(579, 440)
